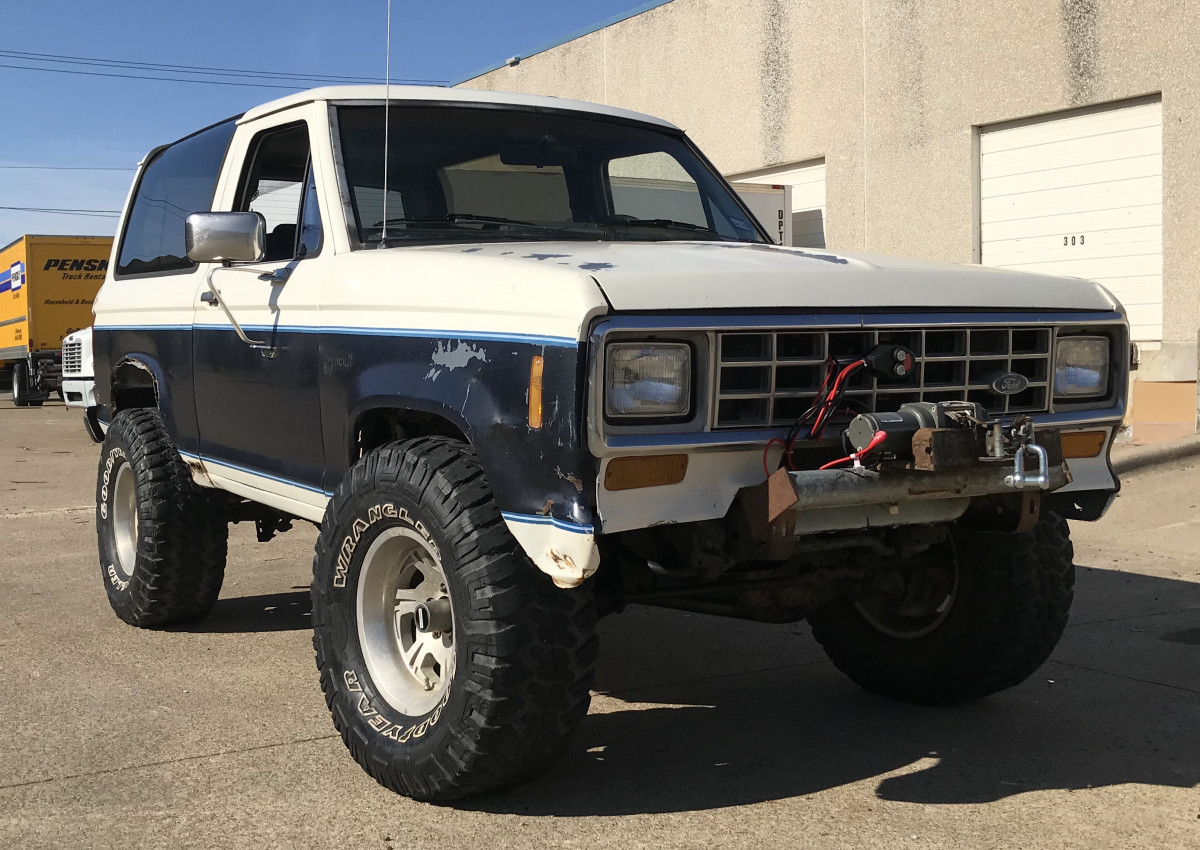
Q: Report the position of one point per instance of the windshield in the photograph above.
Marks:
(471, 174)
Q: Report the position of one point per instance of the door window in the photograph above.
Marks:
(279, 185)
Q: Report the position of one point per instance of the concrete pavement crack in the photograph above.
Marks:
(1132, 617)
(1123, 676)
(179, 760)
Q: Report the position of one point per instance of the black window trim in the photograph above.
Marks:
(151, 158)
(309, 174)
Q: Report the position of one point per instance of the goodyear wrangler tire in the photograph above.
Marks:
(450, 664)
(162, 539)
(986, 627)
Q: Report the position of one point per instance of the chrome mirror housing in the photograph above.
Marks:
(218, 237)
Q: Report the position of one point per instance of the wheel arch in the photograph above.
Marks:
(384, 420)
(136, 381)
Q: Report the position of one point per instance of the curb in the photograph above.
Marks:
(1140, 457)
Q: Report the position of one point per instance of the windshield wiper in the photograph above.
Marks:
(456, 218)
(666, 223)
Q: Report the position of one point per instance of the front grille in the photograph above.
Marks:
(72, 357)
(769, 378)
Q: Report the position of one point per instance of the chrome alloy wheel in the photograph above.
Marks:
(405, 621)
(125, 519)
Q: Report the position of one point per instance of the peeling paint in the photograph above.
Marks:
(565, 476)
(545, 256)
(432, 374)
(458, 355)
(545, 511)
(595, 267)
(470, 250)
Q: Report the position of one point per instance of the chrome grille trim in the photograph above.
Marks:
(72, 357)
(767, 378)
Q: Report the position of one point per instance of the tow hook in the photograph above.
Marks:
(1022, 480)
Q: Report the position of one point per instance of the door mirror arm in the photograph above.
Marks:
(267, 349)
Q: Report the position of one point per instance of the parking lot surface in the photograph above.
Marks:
(703, 732)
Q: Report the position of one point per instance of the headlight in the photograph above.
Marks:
(1081, 367)
(648, 379)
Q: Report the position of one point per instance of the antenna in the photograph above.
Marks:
(387, 102)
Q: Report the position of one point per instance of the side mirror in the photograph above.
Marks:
(218, 237)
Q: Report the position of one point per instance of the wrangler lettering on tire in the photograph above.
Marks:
(418, 588)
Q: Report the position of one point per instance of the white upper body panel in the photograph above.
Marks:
(661, 276)
(444, 95)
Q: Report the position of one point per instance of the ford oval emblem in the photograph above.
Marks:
(1009, 384)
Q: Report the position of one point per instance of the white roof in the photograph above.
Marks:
(438, 93)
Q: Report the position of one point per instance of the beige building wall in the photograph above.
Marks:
(891, 93)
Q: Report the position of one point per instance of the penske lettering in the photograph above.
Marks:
(73, 265)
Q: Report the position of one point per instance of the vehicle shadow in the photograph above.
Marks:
(268, 612)
(739, 738)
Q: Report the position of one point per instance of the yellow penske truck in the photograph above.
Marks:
(47, 285)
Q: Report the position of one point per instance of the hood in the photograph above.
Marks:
(656, 276)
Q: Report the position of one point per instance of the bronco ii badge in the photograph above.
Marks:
(1009, 384)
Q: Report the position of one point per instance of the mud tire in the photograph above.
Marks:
(523, 650)
(1008, 612)
(174, 560)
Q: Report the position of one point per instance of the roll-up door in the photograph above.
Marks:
(1080, 195)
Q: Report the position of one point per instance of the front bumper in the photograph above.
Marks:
(79, 392)
(716, 475)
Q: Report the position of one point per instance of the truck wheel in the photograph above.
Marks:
(20, 384)
(984, 615)
(451, 665)
(163, 540)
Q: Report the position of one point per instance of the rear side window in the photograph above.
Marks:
(181, 180)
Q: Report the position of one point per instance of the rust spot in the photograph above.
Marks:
(566, 476)
(563, 562)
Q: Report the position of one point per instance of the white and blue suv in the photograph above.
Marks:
(527, 360)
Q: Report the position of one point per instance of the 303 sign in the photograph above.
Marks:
(1070, 240)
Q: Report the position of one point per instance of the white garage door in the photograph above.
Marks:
(1080, 195)
(808, 200)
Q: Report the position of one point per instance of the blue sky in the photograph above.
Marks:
(69, 120)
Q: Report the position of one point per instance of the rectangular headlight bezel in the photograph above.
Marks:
(613, 349)
(1104, 368)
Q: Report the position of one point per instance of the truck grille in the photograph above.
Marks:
(72, 357)
(769, 378)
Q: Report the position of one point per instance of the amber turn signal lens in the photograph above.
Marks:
(1083, 443)
(535, 392)
(630, 473)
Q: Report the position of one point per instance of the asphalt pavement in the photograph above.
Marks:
(704, 732)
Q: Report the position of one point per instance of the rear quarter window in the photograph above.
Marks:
(180, 180)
